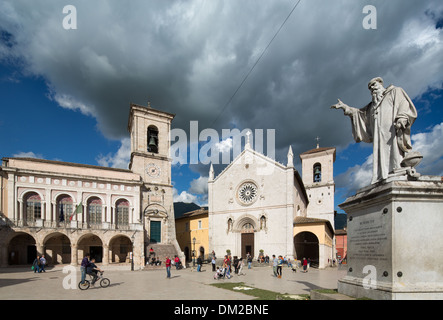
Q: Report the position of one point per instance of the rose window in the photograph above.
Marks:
(247, 193)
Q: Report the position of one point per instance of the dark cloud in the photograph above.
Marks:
(188, 58)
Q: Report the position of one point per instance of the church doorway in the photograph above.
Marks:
(247, 240)
(247, 244)
(306, 246)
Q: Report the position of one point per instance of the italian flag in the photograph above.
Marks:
(77, 210)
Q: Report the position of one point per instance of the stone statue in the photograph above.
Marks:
(386, 122)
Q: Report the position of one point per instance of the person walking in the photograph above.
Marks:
(36, 264)
(274, 265)
(42, 264)
(83, 266)
(177, 262)
(249, 257)
(199, 264)
(279, 266)
(168, 268)
(240, 266)
(213, 261)
(305, 265)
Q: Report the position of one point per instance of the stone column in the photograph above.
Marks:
(105, 261)
(74, 255)
(40, 249)
(21, 215)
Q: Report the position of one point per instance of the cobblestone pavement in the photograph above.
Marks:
(185, 284)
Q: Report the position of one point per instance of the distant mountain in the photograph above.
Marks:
(181, 208)
(340, 221)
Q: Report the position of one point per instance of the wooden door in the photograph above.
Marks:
(247, 244)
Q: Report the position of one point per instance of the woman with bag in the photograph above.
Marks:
(36, 264)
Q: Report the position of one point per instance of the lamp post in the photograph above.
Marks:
(193, 252)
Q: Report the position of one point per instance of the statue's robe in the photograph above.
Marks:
(375, 124)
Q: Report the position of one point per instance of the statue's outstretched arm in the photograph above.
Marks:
(340, 105)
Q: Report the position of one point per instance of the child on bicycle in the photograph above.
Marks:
(92, 270)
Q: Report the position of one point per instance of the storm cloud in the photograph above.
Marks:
(189, 57)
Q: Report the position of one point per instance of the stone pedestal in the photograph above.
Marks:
(395, 240)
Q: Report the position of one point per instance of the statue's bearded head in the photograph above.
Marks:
(377, 89)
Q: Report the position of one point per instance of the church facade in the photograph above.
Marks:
(259, 206)
(64, 210)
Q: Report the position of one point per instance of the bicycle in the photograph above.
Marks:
(104, 282)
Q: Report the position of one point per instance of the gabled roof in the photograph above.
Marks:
(317, 150)
(255, 153)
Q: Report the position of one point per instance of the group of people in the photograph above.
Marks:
(225, 270)
(277, 264)
(88, 266)
(39, 264)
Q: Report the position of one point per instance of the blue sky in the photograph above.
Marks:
(64, 94)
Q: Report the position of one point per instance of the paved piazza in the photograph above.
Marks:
(185, 284)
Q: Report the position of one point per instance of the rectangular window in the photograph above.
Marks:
(199, 224)
(95, 214)
(122, 216)
(33, 210)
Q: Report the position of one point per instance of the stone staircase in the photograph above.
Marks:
(161, 252)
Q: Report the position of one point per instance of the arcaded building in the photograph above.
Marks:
(64, 210)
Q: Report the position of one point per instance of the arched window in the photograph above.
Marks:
(64, 208)
(122, 213)
(317, 172)
(94, 211)
(33, 208)
(152, 139)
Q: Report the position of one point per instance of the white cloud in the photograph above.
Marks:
(199, 185)
(430, 145)
(184, 196)
(192, 55)
(120, 159)
(224, 145)
(29, 154)
(355, 177)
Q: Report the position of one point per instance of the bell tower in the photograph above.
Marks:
(150, 158)
(150, 145)
(318, 178)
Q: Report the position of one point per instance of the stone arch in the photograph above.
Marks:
(57, 248)
(120, 198)
(92, 244)
(120, 246)
(306, 245)
(239, 223)
(61, 193)
(89, 196)
(22, 248)
(22, 195)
